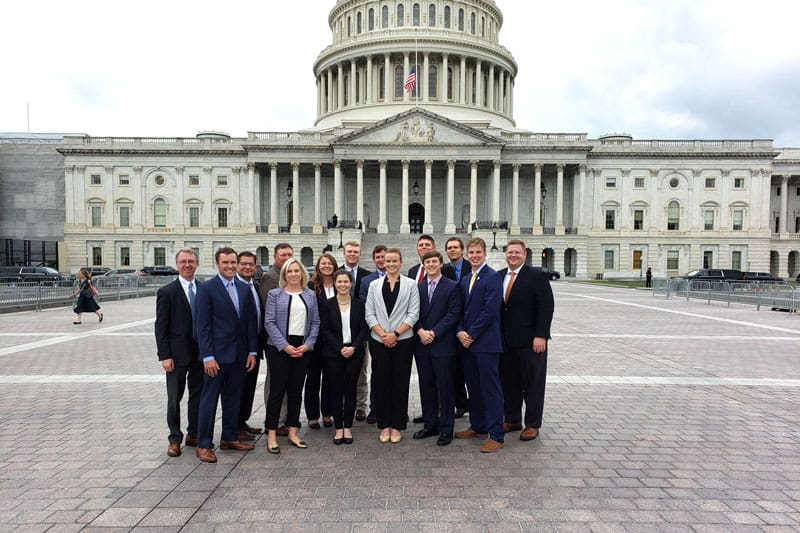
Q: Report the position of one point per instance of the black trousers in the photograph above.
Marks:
(312, 399)
(343, 375)
(462, 402)
(176, 385)
(391, 374)
(248, 394)
(523, 374)
(287, 375)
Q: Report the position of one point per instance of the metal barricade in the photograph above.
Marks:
(775, 295)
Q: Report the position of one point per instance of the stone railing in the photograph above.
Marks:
(669, 145)
(285, 136)
(540, 138)
(150, 141)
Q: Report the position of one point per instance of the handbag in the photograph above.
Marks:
(95, 292)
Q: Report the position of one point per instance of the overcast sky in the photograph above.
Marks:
(685, 69)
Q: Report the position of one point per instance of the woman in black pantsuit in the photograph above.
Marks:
(344, 332)
(322, 285)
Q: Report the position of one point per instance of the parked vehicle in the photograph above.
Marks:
(554, 274)
(125, 273)
(98, 271)
(760, 276)
(713, 274)
(33, 274)
(161, 271)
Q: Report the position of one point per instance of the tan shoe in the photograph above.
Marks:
(511, 427)
(191, 441)
(469, 433)
(206, 455)
(174, 449)
(396, 437)
(384, 437)
(236, 445)
(491, 446)
(529, 434)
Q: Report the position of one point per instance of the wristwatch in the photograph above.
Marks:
(396, 334)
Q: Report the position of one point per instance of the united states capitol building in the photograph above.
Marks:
(381, 165)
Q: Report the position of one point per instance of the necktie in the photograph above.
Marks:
(472, 281)
(191, 297)
(420, 274)
(232, 294)
(510, 284)
(431, 288)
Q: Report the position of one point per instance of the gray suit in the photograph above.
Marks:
(406, 310)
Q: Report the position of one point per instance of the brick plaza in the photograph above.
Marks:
(661, 415)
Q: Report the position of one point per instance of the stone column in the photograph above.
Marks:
(537, 199)
(490, 103)
(340, 87)
(784, 204)
(424, 87)
(319, 96)
(501, 103)
(580, 222)
(462, 86)
(387, 77)
(766, 190)
(273, 197)
(407, 65)
(317, 228)
(252, 193)
(295, 228)
(427, 226)
(725, 187)
(445, 79)
(360, 191)
(337, 189)
(473, 191)
(478, 85)
(70, 197)
(370, 91)
(496, 191)
(560, 199)
(329, 98)
(382, 226)
(515, 200)
(450, 226)
(352, 94)
(405, 227)
(510, 96)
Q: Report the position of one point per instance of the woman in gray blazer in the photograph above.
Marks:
(392, 309)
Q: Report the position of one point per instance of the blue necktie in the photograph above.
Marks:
(232, 294)
(191, 297)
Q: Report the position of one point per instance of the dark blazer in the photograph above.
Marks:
(529, 310)
(362, 273)
(466, 268)
(332, 327)
(447, 271)
(220, 331)
(480, 318)
(174, 327)
(270, 280)
(441, 315)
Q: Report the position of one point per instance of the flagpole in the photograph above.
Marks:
(416, 67)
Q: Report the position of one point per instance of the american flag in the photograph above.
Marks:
(411, 80)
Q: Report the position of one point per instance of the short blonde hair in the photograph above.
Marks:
(303, 272)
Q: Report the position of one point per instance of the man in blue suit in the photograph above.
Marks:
(440, 304)
(480, 335)
(227, 336)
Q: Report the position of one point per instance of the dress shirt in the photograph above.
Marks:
(185, 283)
(432, 286)
(297, 315)
(457, 269)
(421, 273)
(234, 294)
(347, 336)
(256, 299)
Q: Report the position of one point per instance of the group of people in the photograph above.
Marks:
(329, 339)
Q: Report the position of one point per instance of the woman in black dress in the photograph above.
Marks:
(85, 295)
(322, 285)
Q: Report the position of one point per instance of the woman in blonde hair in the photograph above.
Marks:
(85, 292)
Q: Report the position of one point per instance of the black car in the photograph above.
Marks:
(553, 274)
(161, 271)
(760, 276)
(32, 274)
(713, 274)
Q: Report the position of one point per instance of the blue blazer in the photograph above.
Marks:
(481, 319)
(441, 315)
(221, 333)
(276, 318)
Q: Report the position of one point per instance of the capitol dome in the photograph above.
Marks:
(462, 70)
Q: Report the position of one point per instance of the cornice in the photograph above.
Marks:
(150, 151)
(683, 155)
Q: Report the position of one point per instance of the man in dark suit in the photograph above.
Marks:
(225, 324)
(440, 304)
(245, 271)
(426, 243)
(177, 349)
(461, 267)
(527, 312)
(480, 335)
(352, 256)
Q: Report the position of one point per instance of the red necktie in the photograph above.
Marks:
(421, 274)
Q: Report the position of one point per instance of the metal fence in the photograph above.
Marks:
(37, 296)
(769, 294)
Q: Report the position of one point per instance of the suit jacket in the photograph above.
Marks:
(331, 319)
(480, 318)
(362, 273)
(276, 318)
(221, 332)
(441, 315)
(405, 311)
(174, 327)
(364, 287)
(269, 280)
(466, 268)
(447, 271)
(529, 310)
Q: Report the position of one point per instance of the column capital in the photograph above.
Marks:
(273, 165)
(445, 55)
(317, 165)
(654, 172)
(382, 163)
(179, 170)
(236, 170)
(208, 170)
(625, 172)
(696, 172)
(582, 167)
(560, 167)
(451, 163)
(725, 172)
(337, 162)
(473, 163)
(497, 163)
(428, 164)
(538, 167)
(295, 165)
(515, 167)
(137, 168)
(360, 163)
(109, 170)
(785, 178)
(250, 166)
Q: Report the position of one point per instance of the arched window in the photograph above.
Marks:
(673, 215)
(398, 81)
(472, 23)
(460, 20)
(433, 77)
(358, 22)
(371, 19)
(385, 17)
(447, 17)
(381, 83)
(159, 213)
(400, 15)
(432, 15)
(415, 15)
(450, 83)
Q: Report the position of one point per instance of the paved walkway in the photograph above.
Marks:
(661, 415)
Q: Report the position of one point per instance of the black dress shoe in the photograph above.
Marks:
(371, 418)
(348, 440)
(327, 422)
(419, 419)
(424, 433)
(338, 441)
(460, 412)
(361, 415)
(444, 439)
(314, 425)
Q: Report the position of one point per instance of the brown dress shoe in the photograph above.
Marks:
(191, 441)
(174, 449)
(250, 429)
(469, 433)
(507, 427)
(361, 415)
(491, 446)
(206, 455)
(529, 434)
(282, 431)
(245, 436)
(236, 445)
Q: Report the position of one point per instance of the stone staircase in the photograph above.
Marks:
(407, 242)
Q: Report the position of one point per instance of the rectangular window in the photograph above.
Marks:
(608, 260)
(194, 217)
(638, 219)
(125, 256)
(97, 216)
(797, 224)
(96, 180)
(637, 259)
(736, 260)
(124, 216)
(611, 216)
(194, 181)
(708, 259)
(222, 181)
(673, 260)
(124, 179)
(611, 183)
(638, 183)
(777, 191)
(97, 256)
(738, 183)
(708, 219)
(159, 256)
(738, 220)
(222, 217)
(711, 183)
